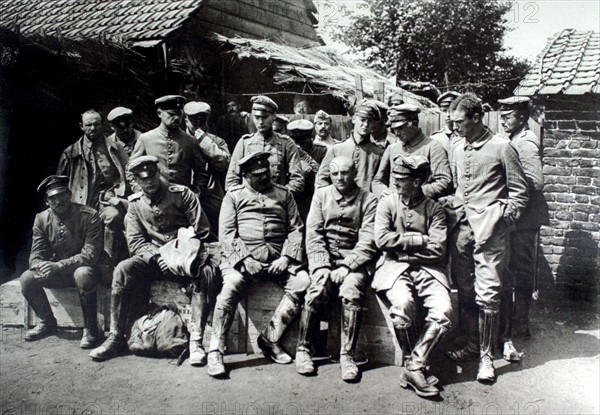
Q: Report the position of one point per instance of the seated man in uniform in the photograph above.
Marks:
(66, 251)
(340, 247)
(155, 216)
(260, 232)
(411, 231)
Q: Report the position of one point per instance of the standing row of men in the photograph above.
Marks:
(464, 184)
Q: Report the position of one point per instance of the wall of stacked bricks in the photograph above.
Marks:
(571, 158)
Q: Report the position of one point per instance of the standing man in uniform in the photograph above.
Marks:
(491, 194)
(395, 99)
(214, 150)
(233, 124)
(66, 251)
(339, 248)
(155, 217)
(121, 122)
(404, 122)
(280, 123)
(260, 233)
(284, 161)
(322, 122)
(446, 136)
(178, 153)
(311, 156)
(410, 229)
(95, 166)
(514, 319)
(365, 154)
(380, 134)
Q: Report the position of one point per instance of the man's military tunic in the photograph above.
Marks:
(439, 182)
(491, 194)
(410, 264)
(339, 232)
(127, 146)
(75, 242)
(264, 226)
(216, 153)
(284, 161)
(152, 222)
(523, 240)
(365, 154)
(180, 159)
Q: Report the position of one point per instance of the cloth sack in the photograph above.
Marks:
(162, 333)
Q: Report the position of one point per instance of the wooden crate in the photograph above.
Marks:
(14, 310)
(169, 292)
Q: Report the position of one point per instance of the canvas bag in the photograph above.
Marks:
(162, 333)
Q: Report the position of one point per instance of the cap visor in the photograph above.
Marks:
(56, 190)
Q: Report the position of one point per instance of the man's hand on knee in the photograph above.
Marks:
(321, 275)
(338, 274)
(252, 266)
(280, 265)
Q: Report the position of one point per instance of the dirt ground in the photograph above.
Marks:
(560, 374)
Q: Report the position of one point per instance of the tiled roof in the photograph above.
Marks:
(569, 64)
(121, 20)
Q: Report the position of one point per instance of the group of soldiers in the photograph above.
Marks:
(388, 207)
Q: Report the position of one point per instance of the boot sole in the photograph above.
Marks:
(463, 357)
(419, 392)
(266, 352)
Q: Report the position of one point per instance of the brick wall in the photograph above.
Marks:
(572, 176)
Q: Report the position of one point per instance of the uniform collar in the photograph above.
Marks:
(359, 140)
(349, 198)
(415, 141)
(519, 132)
(163, 130)
(158, 196)
(413, 202)
(480, 140)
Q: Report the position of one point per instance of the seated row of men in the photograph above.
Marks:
(260, 229)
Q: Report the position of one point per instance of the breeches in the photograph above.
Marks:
(419, 283)
(350, 291)
(236, 285)
(478, 268)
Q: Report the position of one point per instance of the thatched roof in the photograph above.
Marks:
(320, 69)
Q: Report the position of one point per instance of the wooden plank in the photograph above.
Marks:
(358, 86)
(279, 15)
(12, 305)
(380, 91)
(277, 28)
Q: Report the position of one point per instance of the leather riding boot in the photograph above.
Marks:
(351, 316)
(488, 335)
(92, 336)
(430, 338)
(116, 343)
(308, 321)
(115, 245)
(406, 340)
(222, 320)
(509, 352)
(198, 319)
(521, 314)
(471, 350)
(268, 341)
(416, 379)
(405, 337)
(37, 299)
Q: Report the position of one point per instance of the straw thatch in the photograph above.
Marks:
(319, 69)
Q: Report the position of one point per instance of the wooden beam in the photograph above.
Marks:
(358, 86)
